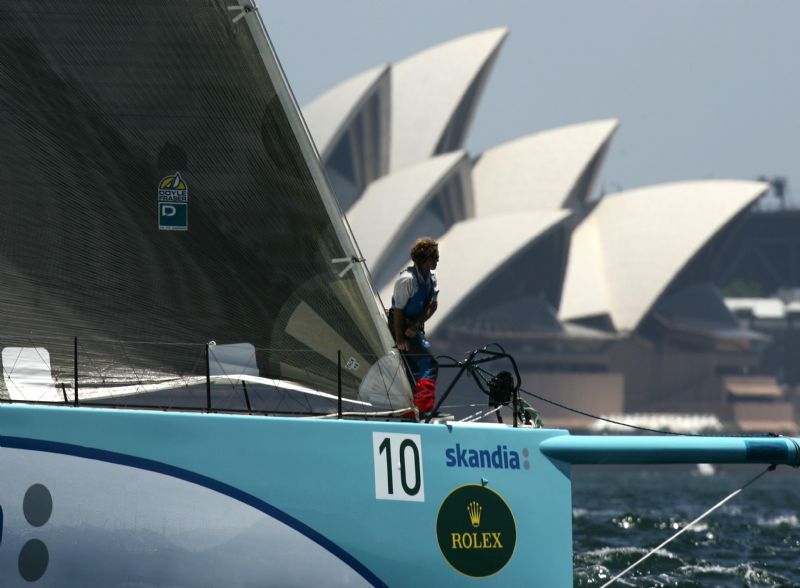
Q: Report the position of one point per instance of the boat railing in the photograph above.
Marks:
(496, 374)
(241, 378)
(238, 378)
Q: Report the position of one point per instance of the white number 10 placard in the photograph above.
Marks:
(398, 467)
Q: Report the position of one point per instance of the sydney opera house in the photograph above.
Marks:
(606, 303)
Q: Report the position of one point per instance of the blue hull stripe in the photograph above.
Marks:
(194, 478)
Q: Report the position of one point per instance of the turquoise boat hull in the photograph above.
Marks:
(95, 497)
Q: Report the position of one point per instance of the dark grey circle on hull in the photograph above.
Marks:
(37, 505)
(33, 560)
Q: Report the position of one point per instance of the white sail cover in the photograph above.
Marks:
(158, 190)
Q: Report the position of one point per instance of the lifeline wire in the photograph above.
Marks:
(687, 527)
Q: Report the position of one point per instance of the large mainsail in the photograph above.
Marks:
(158, 190)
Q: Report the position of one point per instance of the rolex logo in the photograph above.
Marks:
(474, 509)
(481, 543)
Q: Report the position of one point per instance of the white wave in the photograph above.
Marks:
(745, 571)
(605, 552)
(784, 520)
(711, 569)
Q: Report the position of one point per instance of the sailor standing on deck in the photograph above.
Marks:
(413, 302)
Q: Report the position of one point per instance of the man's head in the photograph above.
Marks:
(425, 253)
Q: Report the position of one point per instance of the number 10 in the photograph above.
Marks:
(398, 467)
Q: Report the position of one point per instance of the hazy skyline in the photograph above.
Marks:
(702, 88)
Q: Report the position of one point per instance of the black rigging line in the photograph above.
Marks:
(478, 369)
(484, 372)
(612, 421)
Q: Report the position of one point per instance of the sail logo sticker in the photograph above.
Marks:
(476, 531)
(173, 203)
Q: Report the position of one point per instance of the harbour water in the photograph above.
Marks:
(620, 514)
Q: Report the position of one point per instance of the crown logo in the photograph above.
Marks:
(474, 509)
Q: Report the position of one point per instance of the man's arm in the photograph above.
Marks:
(431, 309)
(420, 322)
(399, 329)
(403, 291)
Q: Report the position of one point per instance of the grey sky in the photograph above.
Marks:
(703, 88)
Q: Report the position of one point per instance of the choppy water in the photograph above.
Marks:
(753, 540)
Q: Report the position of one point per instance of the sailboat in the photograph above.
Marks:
(184, 308)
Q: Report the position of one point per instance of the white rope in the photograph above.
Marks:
(381, 413)
(686, 528)
(479, 415)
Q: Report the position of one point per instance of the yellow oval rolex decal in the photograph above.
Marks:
(476, 531)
